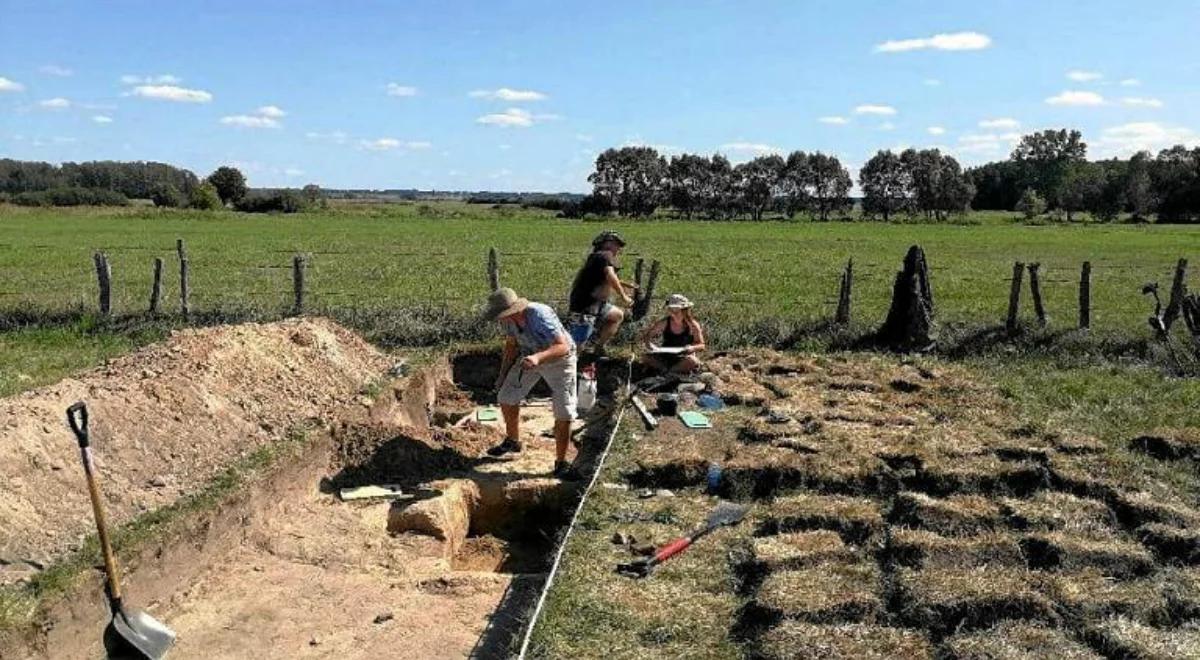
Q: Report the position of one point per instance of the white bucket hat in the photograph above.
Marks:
(678, 301)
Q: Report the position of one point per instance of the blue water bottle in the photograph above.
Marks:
(714, 477)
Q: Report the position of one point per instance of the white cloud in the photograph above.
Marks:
(987, 142)
(161, 79)
(272, 111)
(337, 137)
(1130, 82)
(515, 117)
(396, 89)
(102, 119)
(946, 41)
(55, 70)
(875, 110)
(582, 137)
(887, 126)
(936, 130)
(506, 94)
(7, 85)
(1000, 123)
(1127, 139)
(1142, 102)
(172, 93)
(931, 82)
(756, 149)
(1084, 76)
(661, 148)
(1076, 98)
(835, 120)
(390, 144)
(293, 171)
(57, 103)
(249, 121)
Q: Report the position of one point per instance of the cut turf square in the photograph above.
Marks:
(797, 640)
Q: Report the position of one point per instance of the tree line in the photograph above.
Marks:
(1048, 171)
(115, 183)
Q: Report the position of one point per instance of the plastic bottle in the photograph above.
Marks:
(714, 477)
(586, 388)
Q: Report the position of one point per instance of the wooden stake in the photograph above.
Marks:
(1035, 287)
(1014, 298)
(493, 269)
(298, 283)
(104, 278)
(642, 306)
(183, 279)
(156, 289)
(1085, 296)
(844, 292)
(1178, 293)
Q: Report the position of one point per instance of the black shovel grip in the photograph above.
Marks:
(77, 417)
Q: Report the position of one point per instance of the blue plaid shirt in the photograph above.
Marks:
(541, 328)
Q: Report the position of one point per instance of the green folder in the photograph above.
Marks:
(488, 414)
(694, 420)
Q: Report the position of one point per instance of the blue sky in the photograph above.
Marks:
(521, 95)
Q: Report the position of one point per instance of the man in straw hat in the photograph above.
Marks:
(536, 347)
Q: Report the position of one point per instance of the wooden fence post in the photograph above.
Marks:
(104, 279)
(181, 249)
(1014, 298)
(642, 305)
(156, 289)
(1035, 288)
(493, 269)
(1085, 296)
(298, 283)
(844, 292)
(1178, 294)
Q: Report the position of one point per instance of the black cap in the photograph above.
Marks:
(606, 236)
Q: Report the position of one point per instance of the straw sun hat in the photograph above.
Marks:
(504, 302)
(678, 301)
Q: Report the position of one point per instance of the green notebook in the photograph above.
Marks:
(694, 420)
(488, 414)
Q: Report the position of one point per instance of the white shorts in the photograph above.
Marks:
(559, 374)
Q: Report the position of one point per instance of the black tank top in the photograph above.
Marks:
(671, 339)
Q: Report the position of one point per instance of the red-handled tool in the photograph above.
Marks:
(726, 513)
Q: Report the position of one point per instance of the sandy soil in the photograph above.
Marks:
(164, 420)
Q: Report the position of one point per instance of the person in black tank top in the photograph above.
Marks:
(678, 330)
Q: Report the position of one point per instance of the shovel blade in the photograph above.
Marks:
(136, 635)
(727, 513)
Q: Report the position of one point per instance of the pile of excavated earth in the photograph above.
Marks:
(284, 565)
(898, 511)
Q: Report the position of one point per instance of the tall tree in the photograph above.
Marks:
(886, 185)
(1046, 157)
(686, 181)
(1140, 189)
(827, 184)
(229, 182)
(717, 193)
(632, 178)
(757, 183)
(1176, 184)
(793, 192)
(1081, 188)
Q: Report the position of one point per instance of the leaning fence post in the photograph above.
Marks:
(104, 278)
(156, 289)
(844, 291)
(1014, 298)
(493, 269)
(1178, 294)
(298, 283)
(1085, 296)
(642, 305)
(1035, 287)
(181, 249)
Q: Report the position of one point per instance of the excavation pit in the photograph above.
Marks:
(449, 569)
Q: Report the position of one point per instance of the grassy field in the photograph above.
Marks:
(414, 273)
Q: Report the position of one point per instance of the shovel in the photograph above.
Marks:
(131, 633)
(726, 513)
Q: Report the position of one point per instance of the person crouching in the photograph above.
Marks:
(536, 347)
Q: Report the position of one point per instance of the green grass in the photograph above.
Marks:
(33, 357)
(402, 255)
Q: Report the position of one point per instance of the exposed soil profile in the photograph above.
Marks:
(284, 567)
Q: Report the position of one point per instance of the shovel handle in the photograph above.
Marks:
(77, 418)
(671, 549)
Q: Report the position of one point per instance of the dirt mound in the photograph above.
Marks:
(165, 420)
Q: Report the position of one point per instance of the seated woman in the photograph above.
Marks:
(679, 331)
